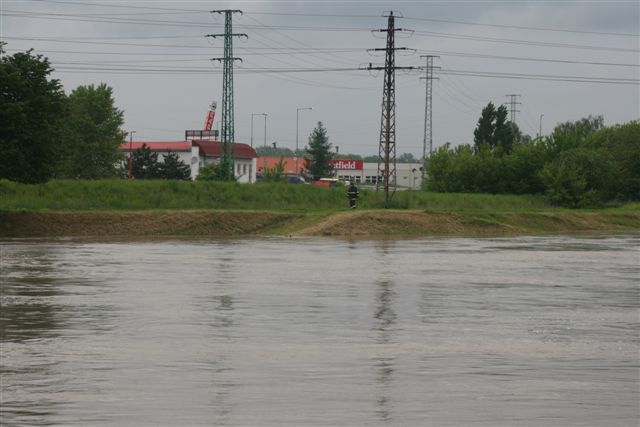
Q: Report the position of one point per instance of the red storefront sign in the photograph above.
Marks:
(347, 165)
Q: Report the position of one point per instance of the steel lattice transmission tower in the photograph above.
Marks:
(428, 111)
(227, 137)
(387, 147)
(513, 103)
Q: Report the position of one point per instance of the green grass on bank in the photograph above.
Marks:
(122, 195)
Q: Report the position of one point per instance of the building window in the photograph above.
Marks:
(244, 169)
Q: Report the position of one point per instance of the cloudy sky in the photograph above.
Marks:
(566, 60)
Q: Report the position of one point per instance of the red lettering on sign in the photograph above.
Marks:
(347, 164)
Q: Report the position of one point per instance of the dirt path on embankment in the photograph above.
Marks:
(358, 224)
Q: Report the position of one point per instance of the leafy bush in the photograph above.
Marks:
(579, 178)
(622, 143)
(276, 173)
(220, 171)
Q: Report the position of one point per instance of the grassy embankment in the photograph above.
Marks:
(150, 208)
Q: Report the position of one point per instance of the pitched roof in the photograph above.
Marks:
(157, 145)
(210, 148)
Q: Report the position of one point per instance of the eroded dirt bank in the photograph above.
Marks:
(361, 224)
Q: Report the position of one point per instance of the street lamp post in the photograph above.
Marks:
(131, 153)
(265, 127)
(297, 122)
(252, 115)
(540, 134)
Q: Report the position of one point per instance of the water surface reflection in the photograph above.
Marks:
(487, 332)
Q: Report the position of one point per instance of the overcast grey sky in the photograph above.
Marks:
(157, 59)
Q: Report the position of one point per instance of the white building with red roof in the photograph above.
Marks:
(200, 152)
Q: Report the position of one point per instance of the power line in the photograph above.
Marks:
(520, 27)
(521, 58)
(333, 29)
(548, 77)
(447, 21)
(467, 91)
(454, 96)
(56, 40)
(80, 18)
(449, 72)
(310, 50)
(523, 42)
(565, 30)
(121, 6)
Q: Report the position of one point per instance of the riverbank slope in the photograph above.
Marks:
(358, 224)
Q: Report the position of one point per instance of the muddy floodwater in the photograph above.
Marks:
(522, 331)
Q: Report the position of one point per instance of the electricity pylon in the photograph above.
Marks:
(227, 137)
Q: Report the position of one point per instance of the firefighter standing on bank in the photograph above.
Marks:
(352, 193)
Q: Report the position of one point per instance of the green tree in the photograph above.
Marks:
(506, 133)
(486, 127)
(622, 142)
(172, 167)
(274, 152)
(570, 135)
(319, 162)
(494, 130)
(349, 156)
(144, 163)
(31, 113)
(93, 134)
(215, 172)
(580, 128)
(407, 158)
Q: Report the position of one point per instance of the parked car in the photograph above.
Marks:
(295, 179)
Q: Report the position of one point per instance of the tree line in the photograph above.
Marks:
(47, 134)
(581, 164)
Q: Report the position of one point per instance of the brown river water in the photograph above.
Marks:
(523, 331)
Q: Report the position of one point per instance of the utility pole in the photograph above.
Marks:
(227, 137)
(387, 147)
(428, 111)
(297, 122)
(131, 153)
(265, 127)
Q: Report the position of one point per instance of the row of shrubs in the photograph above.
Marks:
(581, 164)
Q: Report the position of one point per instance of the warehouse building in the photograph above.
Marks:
(408, 175)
